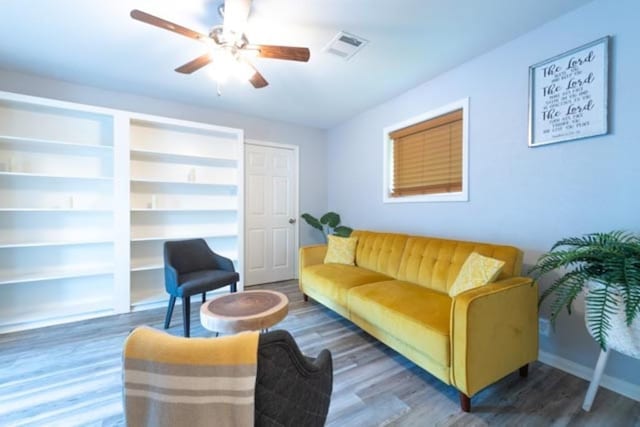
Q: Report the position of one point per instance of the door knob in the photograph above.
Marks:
(292, 220)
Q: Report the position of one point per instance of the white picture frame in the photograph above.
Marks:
(568, 95)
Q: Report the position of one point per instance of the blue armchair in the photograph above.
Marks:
(190, 268)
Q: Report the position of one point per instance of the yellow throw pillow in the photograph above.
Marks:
(341, 250)
(476, 271)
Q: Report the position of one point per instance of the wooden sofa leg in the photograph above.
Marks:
(524, 371)
(465, 402)
(306, 298)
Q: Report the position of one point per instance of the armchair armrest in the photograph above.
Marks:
(170, 279)
(310, 255)
(223, 263)
(494, 331)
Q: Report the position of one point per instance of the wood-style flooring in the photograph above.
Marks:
(70, 375)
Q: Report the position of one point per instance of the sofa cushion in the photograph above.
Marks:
(380, 252)
(341, 250)
(414, 314)
(435, 263)
(335, 280)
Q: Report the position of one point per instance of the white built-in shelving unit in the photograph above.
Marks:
(185, 183)
(89, 195)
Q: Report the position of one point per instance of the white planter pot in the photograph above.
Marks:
(621, 338)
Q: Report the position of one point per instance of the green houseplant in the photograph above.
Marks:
(607, 267)
(328, 223)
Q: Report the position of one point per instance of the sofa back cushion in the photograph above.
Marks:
(435, 263)
(380, 252)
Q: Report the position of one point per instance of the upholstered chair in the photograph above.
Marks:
(190, 268)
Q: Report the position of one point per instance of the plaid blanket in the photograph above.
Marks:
(171, 381)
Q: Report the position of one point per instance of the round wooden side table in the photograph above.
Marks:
(244, 311)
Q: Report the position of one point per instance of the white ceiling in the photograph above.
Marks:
(95, 42)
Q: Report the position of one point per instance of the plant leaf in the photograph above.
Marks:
(312, 221)
(331, 219)
(601, 305)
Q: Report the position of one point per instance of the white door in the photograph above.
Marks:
(270, 213)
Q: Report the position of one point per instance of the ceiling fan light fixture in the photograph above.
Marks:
(222, 66)
(218, 74)
(227, 64)
(211, 46)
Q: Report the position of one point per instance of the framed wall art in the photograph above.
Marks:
(568, 95)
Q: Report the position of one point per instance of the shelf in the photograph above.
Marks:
(56, 275)
(43, 244)
(179, 156)
(78, 210)
(35, 142)
(200, 184)
(185, 210)
(148, 267)
(44, 175)
(206, 236)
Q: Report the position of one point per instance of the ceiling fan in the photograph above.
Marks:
(228, 45)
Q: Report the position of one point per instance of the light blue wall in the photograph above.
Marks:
(312, 142)
(526, 197)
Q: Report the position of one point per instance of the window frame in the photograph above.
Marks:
(387, 156)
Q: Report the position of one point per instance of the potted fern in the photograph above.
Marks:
(606, 266)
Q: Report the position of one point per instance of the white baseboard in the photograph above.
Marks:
(630, 390)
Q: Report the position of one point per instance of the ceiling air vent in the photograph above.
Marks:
(345, 45)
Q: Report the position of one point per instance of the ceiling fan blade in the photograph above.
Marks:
(195, 65)
(236, 13)
(162, 23)
(257, 80)
(282, 52)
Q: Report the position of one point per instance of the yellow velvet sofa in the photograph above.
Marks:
(398, 292)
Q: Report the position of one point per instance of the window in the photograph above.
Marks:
(425, 158)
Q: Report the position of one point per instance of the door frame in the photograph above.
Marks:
(296, 193)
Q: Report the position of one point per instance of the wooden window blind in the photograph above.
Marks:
(427, 156)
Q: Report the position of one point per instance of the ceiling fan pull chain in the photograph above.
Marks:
(218, 88)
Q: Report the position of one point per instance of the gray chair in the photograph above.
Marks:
(291, 388)
(190, 268)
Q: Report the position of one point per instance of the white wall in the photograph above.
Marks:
(312, 142)
(526, 197)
